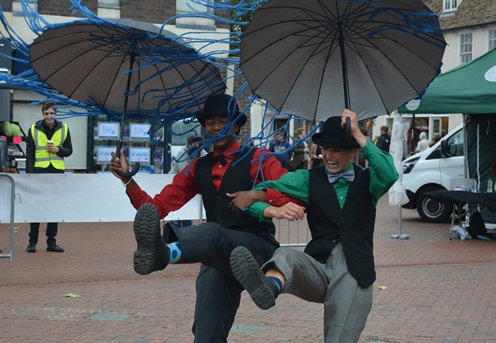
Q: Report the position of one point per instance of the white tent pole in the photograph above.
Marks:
(397, 193)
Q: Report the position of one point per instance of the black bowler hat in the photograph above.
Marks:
(334, 136)
(221, 104)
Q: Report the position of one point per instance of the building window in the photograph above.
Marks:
(184, 6)
(109, 3)
(450, 5)
(195, 22)
(465, 47)
(491, 39)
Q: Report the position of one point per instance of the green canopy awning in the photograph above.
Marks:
(468, 88)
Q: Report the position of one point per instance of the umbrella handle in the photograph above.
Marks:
(348, 129)
(136, 167)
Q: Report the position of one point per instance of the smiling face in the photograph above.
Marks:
(49, 116)
(213, 127)
(336, 160)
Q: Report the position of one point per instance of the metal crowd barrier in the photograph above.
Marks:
(12, 205)
(292, 234)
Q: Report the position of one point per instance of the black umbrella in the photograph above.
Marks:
(124, 66)
(314, 58)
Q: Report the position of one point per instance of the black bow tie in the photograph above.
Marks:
(219, 158)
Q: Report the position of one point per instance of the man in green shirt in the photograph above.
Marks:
(337, 266)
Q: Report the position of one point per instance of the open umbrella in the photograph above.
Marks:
(314, 58)
(124, 66)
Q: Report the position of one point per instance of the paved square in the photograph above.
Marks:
(437, 290)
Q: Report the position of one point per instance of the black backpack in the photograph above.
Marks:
(476, 227)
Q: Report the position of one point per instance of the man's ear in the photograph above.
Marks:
(354, 152)
(235, 128)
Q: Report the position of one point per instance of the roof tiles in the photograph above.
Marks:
(468, 13)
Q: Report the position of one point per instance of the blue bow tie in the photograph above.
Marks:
(348, 176)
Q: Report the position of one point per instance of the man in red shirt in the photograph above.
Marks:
(217, 177)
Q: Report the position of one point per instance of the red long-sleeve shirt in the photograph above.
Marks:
(184, 187)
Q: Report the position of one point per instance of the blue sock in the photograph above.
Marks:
(277, 282)
(175, 252)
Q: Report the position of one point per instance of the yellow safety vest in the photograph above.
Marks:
(43, 157)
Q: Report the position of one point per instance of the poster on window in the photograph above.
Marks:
(108, 130)
(140, 131)
(158, 155)
(141, 155)
(104, 153)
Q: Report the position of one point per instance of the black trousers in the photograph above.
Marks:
(218, 293)
(51, 232)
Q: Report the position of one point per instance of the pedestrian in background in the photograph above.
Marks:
(315, 156)
(47, 144)
(281, 149)
(405, 149)
(384, 139)
(301, 152)
(423, 143)
(361, 160)
(435, 139)
(184, 156)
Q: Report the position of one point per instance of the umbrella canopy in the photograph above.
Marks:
(103, 63)
(468, 88)
(314, 58)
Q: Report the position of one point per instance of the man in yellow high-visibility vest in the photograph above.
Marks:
(48, 142)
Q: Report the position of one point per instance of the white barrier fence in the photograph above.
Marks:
(81, 198)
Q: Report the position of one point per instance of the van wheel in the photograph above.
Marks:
(432, 211)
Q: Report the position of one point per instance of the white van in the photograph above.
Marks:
(430, 170)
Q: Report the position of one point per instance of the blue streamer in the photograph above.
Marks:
(226, 60)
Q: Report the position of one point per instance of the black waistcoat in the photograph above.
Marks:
(216, 202)
(353, 225)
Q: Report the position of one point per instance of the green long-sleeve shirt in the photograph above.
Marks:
(383, 174)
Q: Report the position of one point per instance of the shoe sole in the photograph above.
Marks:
(55, 250)
(146, 231)
(246, 270)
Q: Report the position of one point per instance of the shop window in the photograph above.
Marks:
(136, 144)
(180, 131)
